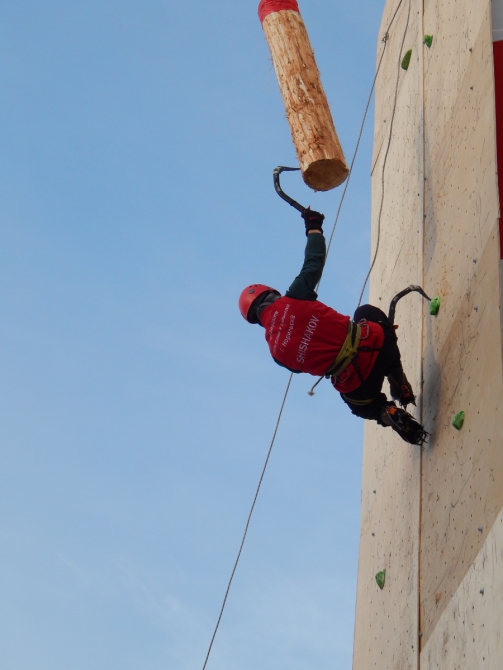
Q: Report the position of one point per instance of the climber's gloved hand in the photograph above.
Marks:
(313, 220)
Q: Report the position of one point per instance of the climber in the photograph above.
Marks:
(304, 335)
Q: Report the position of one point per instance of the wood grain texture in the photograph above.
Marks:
(320, 155)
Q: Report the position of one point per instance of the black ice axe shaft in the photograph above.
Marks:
(276, 173)
(409, 289)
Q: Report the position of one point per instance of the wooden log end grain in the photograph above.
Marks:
(325, 174)
(320, 155)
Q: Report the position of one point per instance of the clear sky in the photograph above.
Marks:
(136, 201)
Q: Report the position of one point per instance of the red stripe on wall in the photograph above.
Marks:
(267, 7)
(498, 85)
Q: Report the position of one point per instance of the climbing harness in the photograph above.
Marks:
(391, 317)
(399, 391)
(348, 352)
(360, 403)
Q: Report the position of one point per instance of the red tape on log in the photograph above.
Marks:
(267, 7)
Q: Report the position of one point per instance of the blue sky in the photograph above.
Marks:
(136, 201)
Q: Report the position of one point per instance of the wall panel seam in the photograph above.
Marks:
(423, 315)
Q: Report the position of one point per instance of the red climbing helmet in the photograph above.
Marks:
(250, 294)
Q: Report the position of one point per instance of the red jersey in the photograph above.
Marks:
(307, 336)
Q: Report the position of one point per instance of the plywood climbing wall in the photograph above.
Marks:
(433, 518)
(391, 473)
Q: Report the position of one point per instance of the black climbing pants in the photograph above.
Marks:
(388, 362)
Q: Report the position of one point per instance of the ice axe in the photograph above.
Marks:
(406, 291)
(275, 174)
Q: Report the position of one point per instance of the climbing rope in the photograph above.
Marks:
(249, 518)
(278, 421)
(386, 154)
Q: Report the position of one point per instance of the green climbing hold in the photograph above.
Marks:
(458, 420)
(406, 60)
(381, 578)
(428, 40)
(435, 306)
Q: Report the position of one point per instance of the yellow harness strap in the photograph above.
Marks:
(348, 351)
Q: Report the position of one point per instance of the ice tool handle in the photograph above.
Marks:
(409, 289)
(276, 173)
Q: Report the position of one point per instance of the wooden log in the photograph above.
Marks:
(318, 148)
